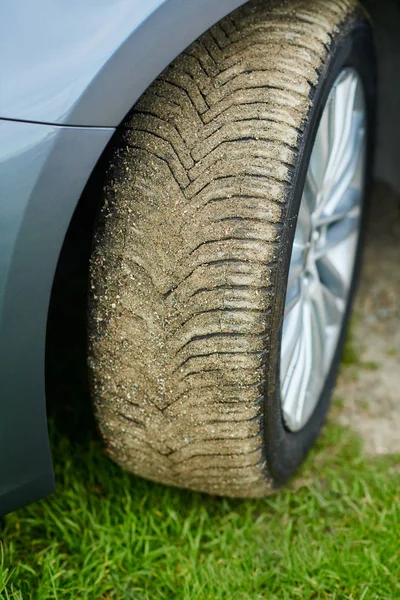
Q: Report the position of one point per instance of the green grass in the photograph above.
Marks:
(351, 361)
(334, 534)
(106, 534)
(350, 356)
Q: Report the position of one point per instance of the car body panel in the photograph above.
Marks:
(43, 170)
(86, 63)
(70, 72)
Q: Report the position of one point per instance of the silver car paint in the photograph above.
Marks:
(86, 62)
(78, 66)
(43, 170)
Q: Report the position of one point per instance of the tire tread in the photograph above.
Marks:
(182, 278)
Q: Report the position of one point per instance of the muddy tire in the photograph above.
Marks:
(193, 246)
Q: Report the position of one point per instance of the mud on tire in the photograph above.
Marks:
(187, 265)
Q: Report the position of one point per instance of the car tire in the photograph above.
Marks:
(195, 240)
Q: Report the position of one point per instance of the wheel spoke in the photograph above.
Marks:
(345, 168)
(322, 148)
(341, 120)
(296, 269)
(293, 295)
(303, 228)
(317, 339)
(291, 334)
(310, 193)
(304, 368)
(319, 320)
(348, 203)
(294, 386)
(337, 233)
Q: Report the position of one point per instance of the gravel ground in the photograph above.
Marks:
(368, 388)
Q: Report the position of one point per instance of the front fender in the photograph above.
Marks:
(43, 170)
(86, 63)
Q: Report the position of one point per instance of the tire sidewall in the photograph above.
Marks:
(352, 46)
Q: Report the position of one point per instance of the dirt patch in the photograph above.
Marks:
(368, 389)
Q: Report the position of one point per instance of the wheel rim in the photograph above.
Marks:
(324, 250)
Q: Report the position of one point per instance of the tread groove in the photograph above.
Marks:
(185, 259)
